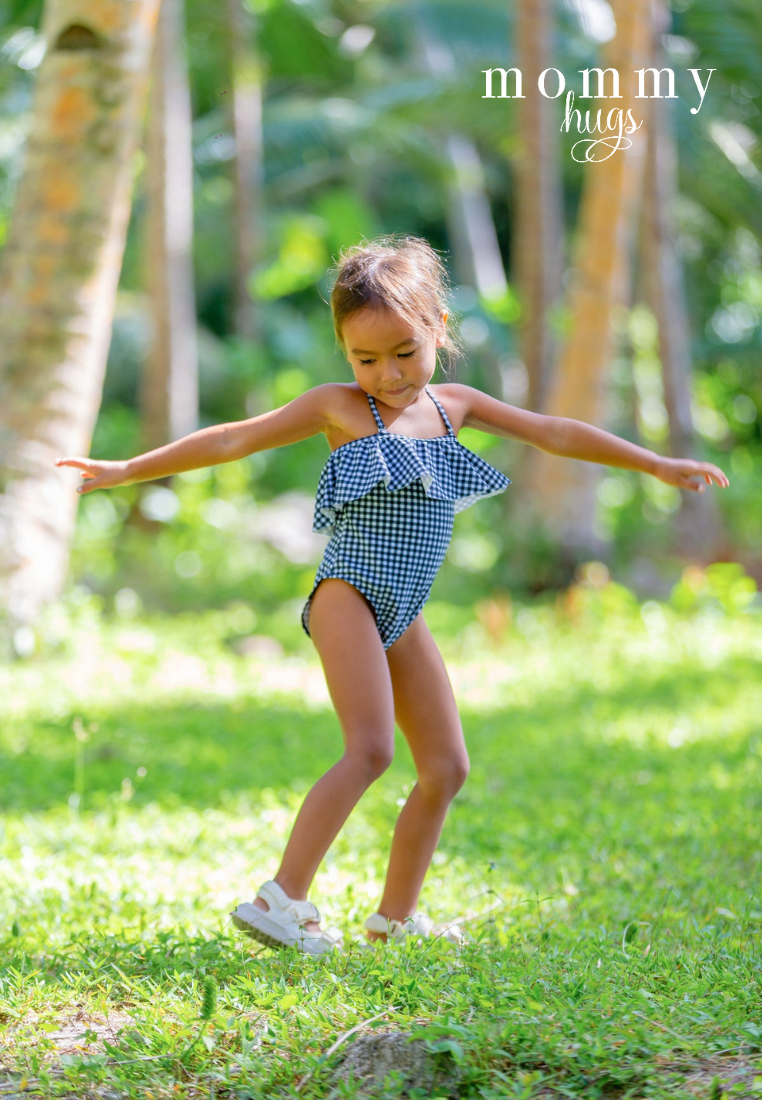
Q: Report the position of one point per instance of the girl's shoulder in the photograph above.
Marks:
(343, 398)
(456, 399)
(347, 413)
(335, 398)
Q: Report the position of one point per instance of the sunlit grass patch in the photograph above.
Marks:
(609, 833)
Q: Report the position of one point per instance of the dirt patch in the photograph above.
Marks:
(704, 1078)
(83, 1032)
(77, 1031)
(699, 1077)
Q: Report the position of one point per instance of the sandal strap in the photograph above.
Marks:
(276, 897)
(377, 923)
(332, 935)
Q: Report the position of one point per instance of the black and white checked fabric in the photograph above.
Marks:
(388, 501)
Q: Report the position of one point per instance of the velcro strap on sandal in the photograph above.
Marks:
(303, 910)
(274, 894)
(332, 935)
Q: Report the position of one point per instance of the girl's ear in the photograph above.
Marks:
(441, 335)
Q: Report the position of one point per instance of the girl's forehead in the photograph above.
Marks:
(377, 324)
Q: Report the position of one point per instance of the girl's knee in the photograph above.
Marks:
(446, 777)
(372, 758)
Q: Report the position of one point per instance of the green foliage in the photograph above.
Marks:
(301, 259)
(723, 584)
(353, 147)
(204, 553)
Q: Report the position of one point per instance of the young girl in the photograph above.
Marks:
(387, 496)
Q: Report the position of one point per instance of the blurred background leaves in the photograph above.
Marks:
(355, 128)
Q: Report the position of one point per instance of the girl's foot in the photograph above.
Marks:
(308, 925)
(284, 922)
(383, 928)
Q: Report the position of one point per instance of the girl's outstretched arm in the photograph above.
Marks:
(303, 417)
(559, 435)
(580, 440)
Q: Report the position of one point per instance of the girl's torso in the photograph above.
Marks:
(355, 419)
(444, 469)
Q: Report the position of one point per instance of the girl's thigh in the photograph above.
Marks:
(343, 629)
(424, 703)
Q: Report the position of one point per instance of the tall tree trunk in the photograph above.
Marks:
(476, 251)
(59, 275)
(478, 260)
(169, 386)
(561, 491)
(698, 525)
(245, 94)
(538, 232)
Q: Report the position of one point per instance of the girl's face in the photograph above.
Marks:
(391, 360)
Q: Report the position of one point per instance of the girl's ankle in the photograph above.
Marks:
(292, 893)
(309, 926)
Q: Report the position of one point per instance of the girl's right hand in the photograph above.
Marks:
(101, 473)
(681, 471)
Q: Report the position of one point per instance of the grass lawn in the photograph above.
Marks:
(610, 832)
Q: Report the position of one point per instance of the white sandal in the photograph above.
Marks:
(416, 925)
(281, 924)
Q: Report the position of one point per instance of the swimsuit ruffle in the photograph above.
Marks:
(446, 469)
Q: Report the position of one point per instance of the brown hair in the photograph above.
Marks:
(399, 273)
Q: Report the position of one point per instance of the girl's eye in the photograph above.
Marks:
(366, 362)
(406, 354)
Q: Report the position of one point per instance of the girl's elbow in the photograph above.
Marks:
(551, 435)
(237, 444)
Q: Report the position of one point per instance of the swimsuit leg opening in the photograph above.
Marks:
(307, 606)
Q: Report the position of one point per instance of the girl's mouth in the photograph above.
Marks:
(394, 393)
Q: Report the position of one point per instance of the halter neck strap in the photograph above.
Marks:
(442, 413)
(383, 428)
(379, 422)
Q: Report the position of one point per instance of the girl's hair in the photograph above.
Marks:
(399, 273)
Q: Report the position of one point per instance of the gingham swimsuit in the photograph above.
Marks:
(388, 502)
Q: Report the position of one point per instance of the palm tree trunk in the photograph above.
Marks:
(560, 490)
(246, 105)
(477, 259)
(476, 252)
(169, 386)
(698, 525)
(538, 232)
(58, 280)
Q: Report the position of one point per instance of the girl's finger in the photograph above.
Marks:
(719, 476)
(79, 462)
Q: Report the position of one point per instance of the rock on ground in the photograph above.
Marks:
(391, 1063)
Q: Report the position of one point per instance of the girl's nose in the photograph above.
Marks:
(391, 371)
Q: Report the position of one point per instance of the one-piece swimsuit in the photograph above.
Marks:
(388, 502)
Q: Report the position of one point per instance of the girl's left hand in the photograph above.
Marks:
(681, 471)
